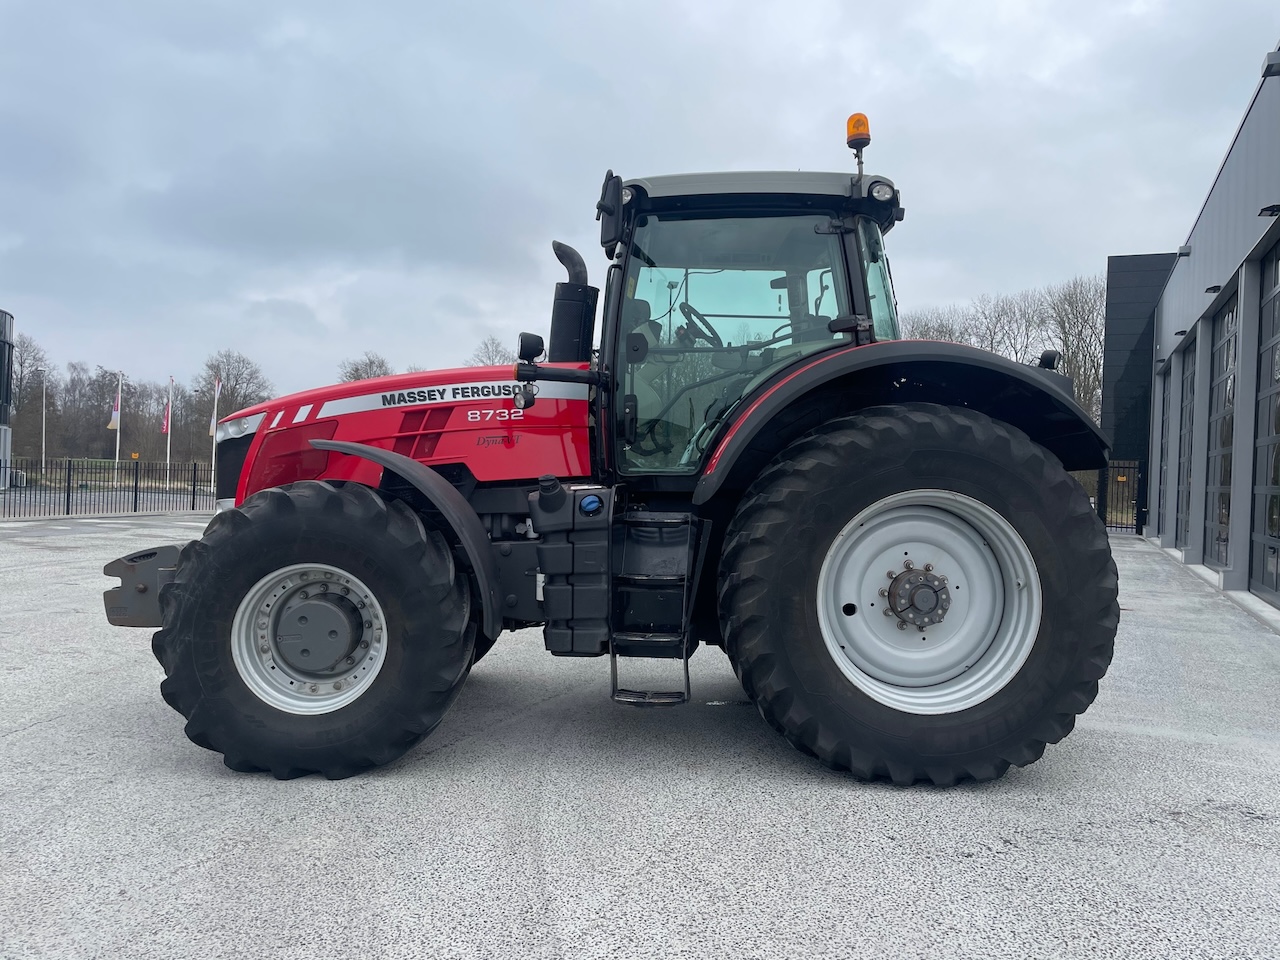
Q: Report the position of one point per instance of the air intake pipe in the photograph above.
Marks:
(573, 314)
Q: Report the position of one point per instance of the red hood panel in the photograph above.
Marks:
(393, 384)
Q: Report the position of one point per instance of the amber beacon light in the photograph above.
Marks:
(858, 132)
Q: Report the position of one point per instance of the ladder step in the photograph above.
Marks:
(651, 698)
(652, 579)
(651, 642)
(650, 520)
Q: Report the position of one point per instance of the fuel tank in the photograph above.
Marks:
(465, 416)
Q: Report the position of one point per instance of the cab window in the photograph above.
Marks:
(711, 307)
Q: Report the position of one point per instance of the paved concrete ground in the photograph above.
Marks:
(540, 820)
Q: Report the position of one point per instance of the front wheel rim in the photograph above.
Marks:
(272, 663)
(929, 601)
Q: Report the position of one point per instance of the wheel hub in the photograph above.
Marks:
(308, 638)
(919, 598)
(975, 624)
(317, 634)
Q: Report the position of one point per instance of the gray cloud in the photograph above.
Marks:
(305, 183)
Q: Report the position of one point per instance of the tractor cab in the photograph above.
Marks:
(718, 281)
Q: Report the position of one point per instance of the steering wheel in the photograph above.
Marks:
(700, 326)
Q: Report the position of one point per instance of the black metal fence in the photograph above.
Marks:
(1119, 493)
(63, 488)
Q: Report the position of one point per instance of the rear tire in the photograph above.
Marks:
(970, 683)
(316, 629)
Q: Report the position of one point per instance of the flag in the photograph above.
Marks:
(115, 414)
(168, 406)
(217, 392)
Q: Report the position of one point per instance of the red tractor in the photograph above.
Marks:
(881, 534)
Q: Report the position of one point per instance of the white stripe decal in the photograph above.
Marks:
(276, 419)
(302, 413)
(433, 394)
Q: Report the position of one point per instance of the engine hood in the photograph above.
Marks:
(397, 383)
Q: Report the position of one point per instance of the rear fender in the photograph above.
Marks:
(445, 498)
(1036, 401)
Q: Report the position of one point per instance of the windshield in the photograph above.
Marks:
(711, 307)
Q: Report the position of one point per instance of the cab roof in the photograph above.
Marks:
(762, 181)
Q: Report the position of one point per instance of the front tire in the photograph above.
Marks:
(317, 629)
(951, 613)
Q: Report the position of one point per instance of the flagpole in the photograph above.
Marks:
(119, 419)
(168, 433)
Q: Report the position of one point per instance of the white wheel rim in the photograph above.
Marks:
(992, 596)
(267, 670)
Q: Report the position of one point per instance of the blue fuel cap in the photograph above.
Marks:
(590, 505)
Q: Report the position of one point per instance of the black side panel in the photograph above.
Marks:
(1038, 402)
(456, 512)
(573, 556)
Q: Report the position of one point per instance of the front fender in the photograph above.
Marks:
(1036, 401)
(456, 512)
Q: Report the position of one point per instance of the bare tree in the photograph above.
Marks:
(364, 368)
(1011, 325)
(1076, 314)
(491, 353)
(28, 358)
(243, 382)
(952, 324)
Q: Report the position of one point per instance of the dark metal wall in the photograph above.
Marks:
(1133, 289)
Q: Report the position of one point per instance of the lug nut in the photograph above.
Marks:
(891, 574)
(264, 649)
(324, 588)
(908, 565)
(364, 644)
(303, 594)
(344, 591)
(368, 623)
(350, 661)
(902, 624)
(888, 612)
(314, 688)
(304, 576)
(337, 685)
(360, 604)
(884, 592)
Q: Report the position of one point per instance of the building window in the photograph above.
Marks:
(1183, 519)
(1222, 400)
(1264, 561)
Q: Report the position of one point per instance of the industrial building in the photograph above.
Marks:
(1192, 368)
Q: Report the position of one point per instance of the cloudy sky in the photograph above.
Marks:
(305, 181)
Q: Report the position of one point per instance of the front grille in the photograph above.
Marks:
(231, 456)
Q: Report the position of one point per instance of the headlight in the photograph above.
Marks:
(239, 427)
(881, 191)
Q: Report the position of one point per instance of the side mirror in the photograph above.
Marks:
(531, 347)
(1049, 360)
(609, 212)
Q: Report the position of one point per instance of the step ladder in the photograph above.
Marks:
(657, 646)
(650, 588)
